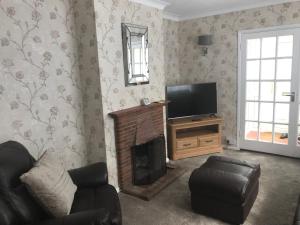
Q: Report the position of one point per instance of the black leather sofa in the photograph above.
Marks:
(95, 202)
(297, 215)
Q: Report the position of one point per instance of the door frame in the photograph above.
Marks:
(239, 75)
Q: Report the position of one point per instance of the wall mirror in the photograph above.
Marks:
(135, 53)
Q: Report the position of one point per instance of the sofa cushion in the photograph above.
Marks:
(104, 196)
(225, 179)
(51, 184)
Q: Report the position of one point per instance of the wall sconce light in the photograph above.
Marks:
(204, 41)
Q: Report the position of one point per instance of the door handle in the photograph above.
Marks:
(291, 94)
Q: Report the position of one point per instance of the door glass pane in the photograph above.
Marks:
(284, 69)
(252, 111)
(267, 91)
(266, 112)
(282, 111)
(253, 48)
(252, 70)
(285, 46)
(281, 134)
(282, 87)
(268, 47)
(252, 91)
(268, 69)
(251, 131)
(265, 132)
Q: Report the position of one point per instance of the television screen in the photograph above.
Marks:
(192, 100)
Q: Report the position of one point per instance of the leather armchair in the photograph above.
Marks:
(95, 201)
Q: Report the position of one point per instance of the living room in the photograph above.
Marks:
(88, 86)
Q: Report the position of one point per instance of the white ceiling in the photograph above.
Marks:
(189, 9)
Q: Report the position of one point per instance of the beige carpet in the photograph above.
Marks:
(275, 204)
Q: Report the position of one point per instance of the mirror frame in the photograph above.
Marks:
(130, 78)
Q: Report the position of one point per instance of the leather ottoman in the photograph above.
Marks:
(224, 188)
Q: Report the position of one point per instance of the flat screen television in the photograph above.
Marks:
(191, 100)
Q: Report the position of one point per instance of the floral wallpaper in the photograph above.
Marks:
(171, 45)
(115, 96)
(220, 65)
(89, 70)
(49, 92)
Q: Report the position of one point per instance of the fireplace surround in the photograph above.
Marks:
(133, 127)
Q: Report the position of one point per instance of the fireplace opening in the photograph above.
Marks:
(149, 161)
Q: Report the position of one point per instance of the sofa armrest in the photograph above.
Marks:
(92, 217)
(90, 176)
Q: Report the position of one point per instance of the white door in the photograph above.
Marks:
(269, 90)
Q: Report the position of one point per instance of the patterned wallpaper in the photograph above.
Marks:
(46, 103)
(115, 96)
(220, 65)
(172, 47)
(89, 70)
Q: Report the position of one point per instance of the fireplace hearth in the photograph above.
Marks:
(149, 161)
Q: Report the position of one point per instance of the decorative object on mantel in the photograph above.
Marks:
(127, 126)
(204, 41)
(145, 101)
(135, 54)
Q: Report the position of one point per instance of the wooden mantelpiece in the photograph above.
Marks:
(126, 122)
(187, 137)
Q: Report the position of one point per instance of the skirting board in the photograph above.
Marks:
(231, 147)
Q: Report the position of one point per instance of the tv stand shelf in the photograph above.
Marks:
(189, 137)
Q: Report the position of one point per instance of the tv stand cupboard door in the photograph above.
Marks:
(187, 143)
(212, 140)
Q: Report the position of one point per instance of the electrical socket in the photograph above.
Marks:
(230, 141)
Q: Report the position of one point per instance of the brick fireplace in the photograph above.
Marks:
(135, 127)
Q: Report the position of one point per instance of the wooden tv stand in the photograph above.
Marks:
(194, 137)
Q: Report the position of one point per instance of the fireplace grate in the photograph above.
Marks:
(149, 161)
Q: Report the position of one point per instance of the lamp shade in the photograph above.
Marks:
(205, 40)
